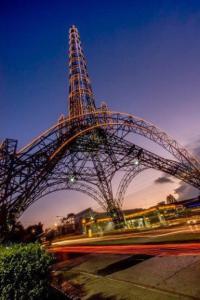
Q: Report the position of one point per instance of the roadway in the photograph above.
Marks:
(147, 245)
(154, 250)
(154, 233)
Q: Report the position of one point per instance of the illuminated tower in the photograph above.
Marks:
(81, 98)
(83, 153)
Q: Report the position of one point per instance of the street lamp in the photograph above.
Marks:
(72, 179)
(136, 161)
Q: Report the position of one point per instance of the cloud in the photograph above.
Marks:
(194, 148)
(184, 190)
(163, 179)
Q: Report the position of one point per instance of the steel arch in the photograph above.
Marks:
(35, 163)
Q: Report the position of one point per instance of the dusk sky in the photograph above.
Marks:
(143, 58)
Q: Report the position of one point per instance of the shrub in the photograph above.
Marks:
(24, 272)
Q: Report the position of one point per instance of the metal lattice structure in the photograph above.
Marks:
(84, 151)
(81, 97)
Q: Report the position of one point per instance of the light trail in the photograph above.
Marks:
(155, 250)
(148, 235)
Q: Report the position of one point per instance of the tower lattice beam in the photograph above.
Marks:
(84, 151)
(81, 98)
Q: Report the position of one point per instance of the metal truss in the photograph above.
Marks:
(126, 180)
(91, 153)
(81, 98)
(84, 151)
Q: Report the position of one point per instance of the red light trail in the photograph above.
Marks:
(161, 249)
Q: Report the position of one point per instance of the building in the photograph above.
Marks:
(159, 215)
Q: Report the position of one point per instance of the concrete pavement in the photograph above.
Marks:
(107, 276)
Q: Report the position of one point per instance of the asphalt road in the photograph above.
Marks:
(162, 249)
(150, 234)
(82, 245)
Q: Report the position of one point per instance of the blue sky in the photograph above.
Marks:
(143, 58)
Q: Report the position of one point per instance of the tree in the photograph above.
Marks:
(33, 232)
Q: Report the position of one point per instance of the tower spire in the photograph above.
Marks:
(81, 97)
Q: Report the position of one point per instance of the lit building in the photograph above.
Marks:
(136, 219)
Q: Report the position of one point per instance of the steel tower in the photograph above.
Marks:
(81, 101)
(83, 151)
(81, 98)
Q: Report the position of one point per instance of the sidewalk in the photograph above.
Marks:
(138, 277)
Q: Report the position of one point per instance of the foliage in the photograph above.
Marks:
(32, 233)
(24, 272)
(16, 233)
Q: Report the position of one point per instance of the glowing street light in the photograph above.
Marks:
(72, 179)
(136, 161)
